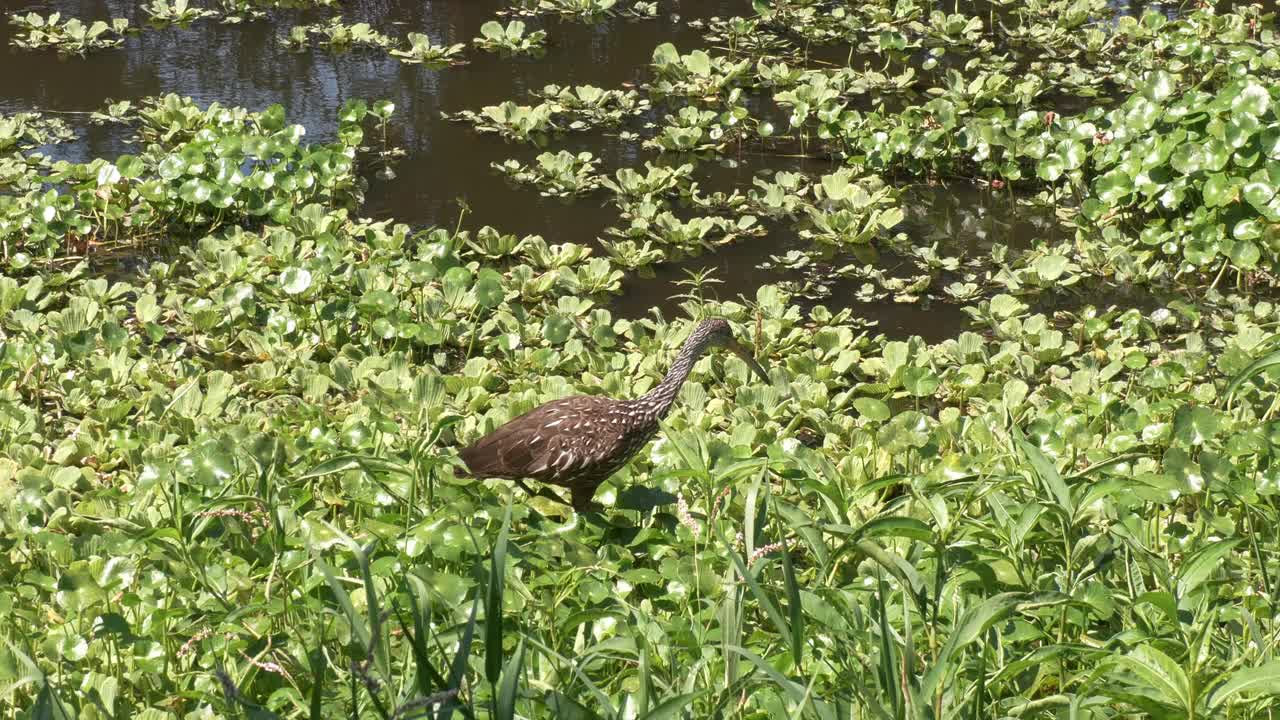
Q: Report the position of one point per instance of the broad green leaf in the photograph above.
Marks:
(872, 409)
(1263, 680)
(1253, 99)
(1197, 568)
(1160, 673)
(295, 281)
(973, 624)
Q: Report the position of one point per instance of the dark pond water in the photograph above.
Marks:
(447, 162)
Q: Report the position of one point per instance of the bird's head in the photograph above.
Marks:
(717, 332)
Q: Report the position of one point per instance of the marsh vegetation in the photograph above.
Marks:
(1013, 266)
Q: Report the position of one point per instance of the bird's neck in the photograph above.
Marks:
(655, 404)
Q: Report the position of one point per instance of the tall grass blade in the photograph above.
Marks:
(770, 608)
(318, 667)
(1266, 362)
(671, 707)
(972, 625)
(794, 608)
(644, 676)
(493, 603)
(1048, 474)
(795, 690)
(459, 668)
(358, 624)
(1201, 564)
(509, 687)
(378, 642)
(888, 669)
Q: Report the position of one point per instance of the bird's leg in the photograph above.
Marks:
(582, 498)
(540, 492)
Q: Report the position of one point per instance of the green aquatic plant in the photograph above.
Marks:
(559, 174)
(632, 256)
(583, 9)
(1194, 173)
(178, 12)
(849, 210)
(691, 130)
(630, 187)
(422, 51)
(36, 32)
(207, 169)
(336, 35)
(1064, 506)
(511, 38)
(580, 10)
(1090, 465)
(587, 106)
(514, 122)
(574, 109)
(642, 10)
(238, 11)
(697, 74)
(31, 130)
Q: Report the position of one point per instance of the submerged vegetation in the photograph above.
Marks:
(230, 404)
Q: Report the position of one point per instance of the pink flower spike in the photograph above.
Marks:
(189, 646)
(715, 506)
(265, 665)
(686, 519)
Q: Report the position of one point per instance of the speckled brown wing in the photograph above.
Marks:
(553, 443)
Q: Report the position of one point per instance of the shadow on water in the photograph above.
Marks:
(446, 162)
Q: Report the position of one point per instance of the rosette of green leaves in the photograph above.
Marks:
(850, 211)
(511, 38)
(67, 36)
(422, 51)
(561, 174)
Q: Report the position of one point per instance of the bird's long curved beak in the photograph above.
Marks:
(741, 351)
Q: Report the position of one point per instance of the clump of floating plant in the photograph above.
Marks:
(175, 12)
(744, 35)
(20, 134)
(422, 51)
(352, 119)
(849, 210)
(560, 174)
(697, 74)
(31, 130)
(582, 10)
(238, 11)
(1195, 174)
(657, 183)
(648, 223)
(633, 255)
(512, 38)
(587, 106)
(573, 109)
(34, 31)
(696, 130)
(642, 10)
(336, 35)
(514, 122)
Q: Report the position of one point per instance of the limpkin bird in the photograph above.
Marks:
(579, 442)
